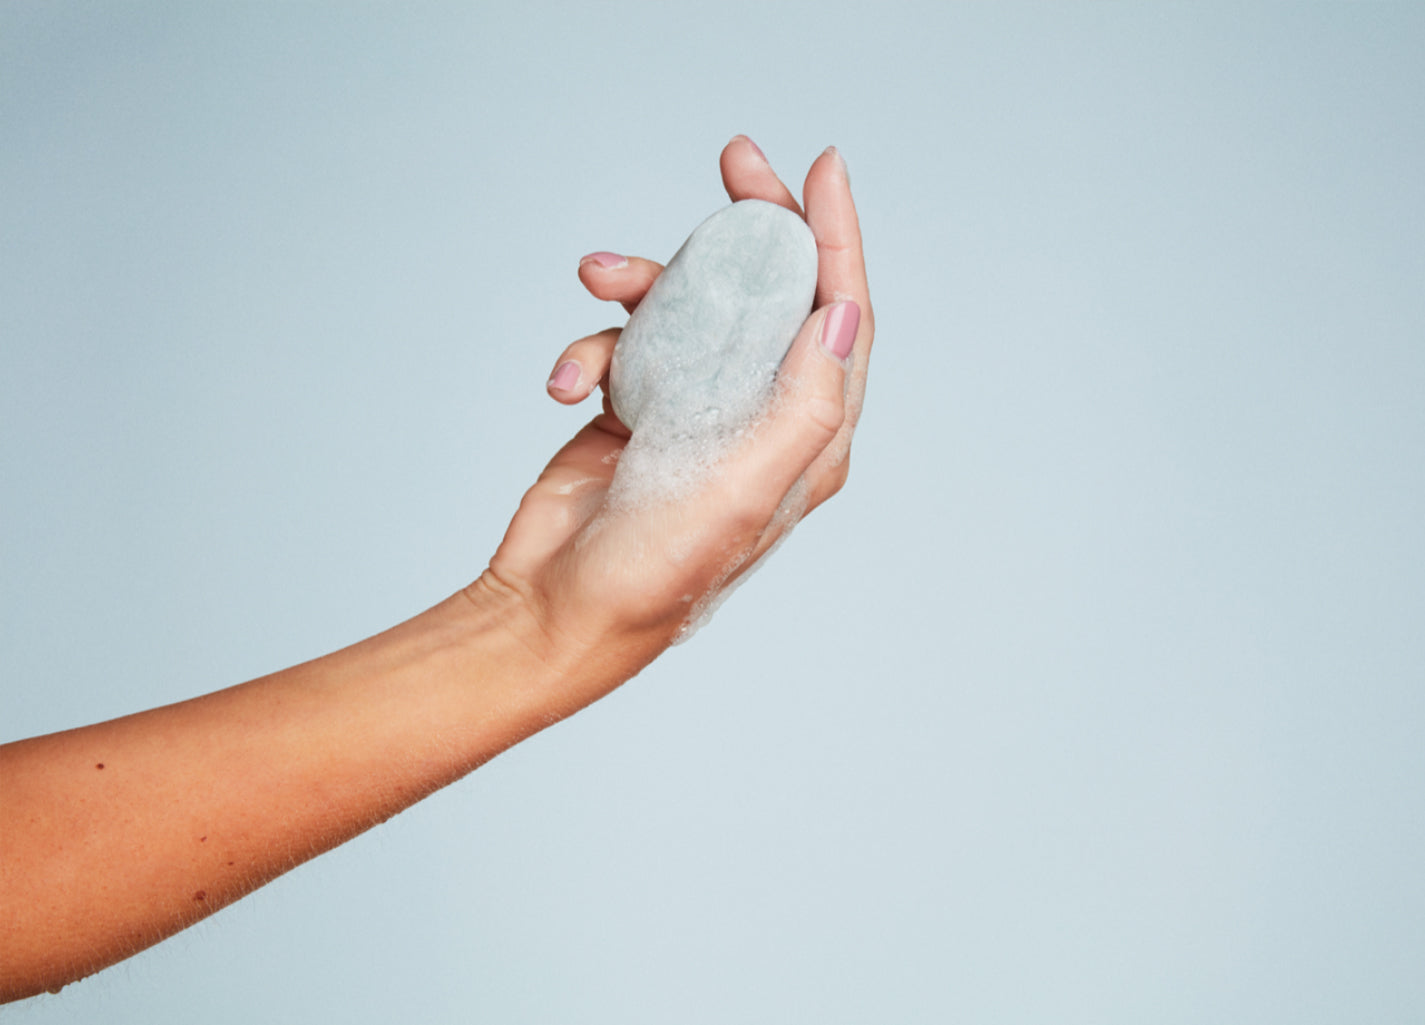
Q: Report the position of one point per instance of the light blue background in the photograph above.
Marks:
(1096, 697)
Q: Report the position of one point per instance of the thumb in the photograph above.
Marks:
(809, 407)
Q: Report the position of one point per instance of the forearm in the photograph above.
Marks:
(117, 835)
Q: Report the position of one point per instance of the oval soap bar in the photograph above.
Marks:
(700, 352)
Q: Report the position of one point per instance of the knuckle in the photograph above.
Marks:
(747, 513)
(826, 412)
(830, 479)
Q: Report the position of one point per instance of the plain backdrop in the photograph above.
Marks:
(1096, 696)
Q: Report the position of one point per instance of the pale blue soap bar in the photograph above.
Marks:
(700, 352)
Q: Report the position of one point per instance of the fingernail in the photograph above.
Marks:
(757, 149)
(832, 151)
(565, 376)
(608, 261)
(838, 330)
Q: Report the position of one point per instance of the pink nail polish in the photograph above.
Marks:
(566, 376)
(838, 330)
(608, 261)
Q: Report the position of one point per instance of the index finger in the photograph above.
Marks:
(746, 174)
(831, 215)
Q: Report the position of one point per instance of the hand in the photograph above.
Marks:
(606, 588)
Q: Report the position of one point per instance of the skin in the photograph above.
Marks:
(117, 835)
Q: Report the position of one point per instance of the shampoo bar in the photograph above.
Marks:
(700, 352)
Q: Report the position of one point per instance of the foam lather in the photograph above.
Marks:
(698, 356)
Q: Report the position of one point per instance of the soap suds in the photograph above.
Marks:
(787, 516)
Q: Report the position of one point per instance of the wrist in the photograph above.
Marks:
(557, 668)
